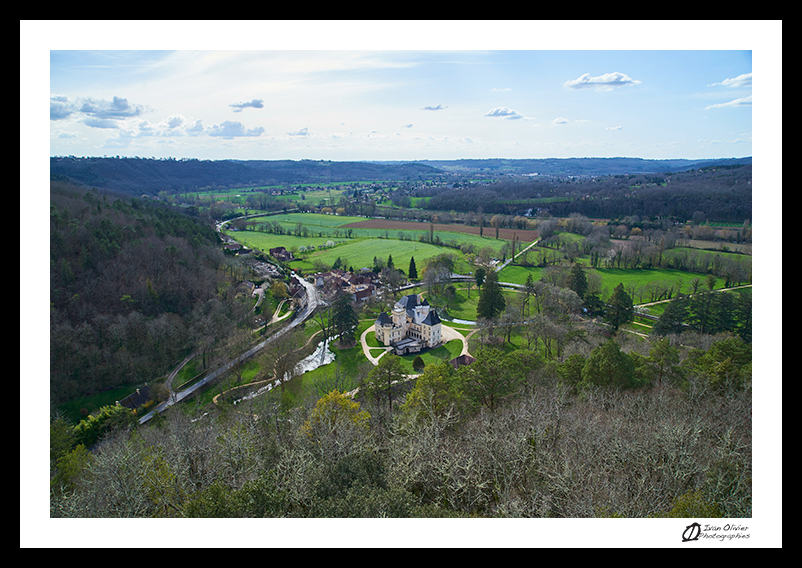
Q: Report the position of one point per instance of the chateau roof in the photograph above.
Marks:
(432, 318)
(411, 301)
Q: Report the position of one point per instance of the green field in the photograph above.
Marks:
(266, 241)
(311, 220)
(356, 247)
(332, 226)
(360, 253)
(639, 280)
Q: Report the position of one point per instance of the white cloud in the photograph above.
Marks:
(175, 121)
(97, 113)
(255, 103)
(741, 102)
(231, 129)
(100, 122)
(504, 112)
(60, 107)
(116, 109)
(743, 80)
(614, 128)
(560, 120)
(438, 107)
(605, 82)
(302, 132)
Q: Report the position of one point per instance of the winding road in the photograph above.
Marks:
(303, 315)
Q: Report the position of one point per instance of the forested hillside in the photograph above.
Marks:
(718, 194)
(137, 176)
(133, 285)
(564, 167)
(511, 435)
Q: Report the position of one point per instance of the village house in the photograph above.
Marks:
(246, 288)
(412, 326)
(361, 287)
(464, 359)
(282, 254)
(136, 399)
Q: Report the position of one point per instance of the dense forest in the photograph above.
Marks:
(575, 167)
(137, 176)
(717, 194)
(620, 431)
(134, 285)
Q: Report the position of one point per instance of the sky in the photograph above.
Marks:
(341, 101)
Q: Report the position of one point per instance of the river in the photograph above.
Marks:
(321, 356)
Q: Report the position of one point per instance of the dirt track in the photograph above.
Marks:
(523, 235)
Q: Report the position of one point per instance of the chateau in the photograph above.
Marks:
(413, 326)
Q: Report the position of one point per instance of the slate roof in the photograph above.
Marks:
(410, 301)
(462, 360)
(137, 398)
(432, 318)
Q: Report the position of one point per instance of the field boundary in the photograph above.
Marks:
(524, 235)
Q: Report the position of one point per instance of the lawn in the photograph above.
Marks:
(444, 353)
(463, 307)
(335, 227)
(361, 252)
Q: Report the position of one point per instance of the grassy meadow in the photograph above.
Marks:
(358, 246)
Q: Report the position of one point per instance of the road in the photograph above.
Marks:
(303, 315)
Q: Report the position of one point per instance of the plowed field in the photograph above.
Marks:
(392, 225)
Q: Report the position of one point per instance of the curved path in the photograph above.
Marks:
(264, 381)
(305, 313)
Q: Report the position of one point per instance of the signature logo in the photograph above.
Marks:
(727, 532)
(692, 532)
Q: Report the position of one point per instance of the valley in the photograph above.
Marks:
(570, 291)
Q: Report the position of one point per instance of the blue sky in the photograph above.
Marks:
(337, 100)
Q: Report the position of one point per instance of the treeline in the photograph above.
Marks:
(621, 430)
(708, 312)
(564, 167)
(719, 194)
(632, 244)
(137, 176)
(134, 286)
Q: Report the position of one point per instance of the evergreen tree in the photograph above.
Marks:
(619, 309)
(412, 273)
(664, 360)
(344, 319)
(577, 281)
(491, 378)
(479, 275)
(608, 366)
(491, 301)
(672, 319)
